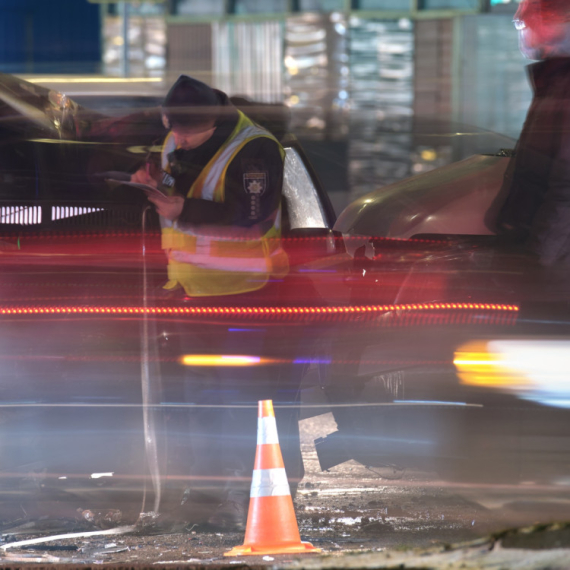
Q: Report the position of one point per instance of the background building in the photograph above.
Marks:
(379, 90)
(50, 37)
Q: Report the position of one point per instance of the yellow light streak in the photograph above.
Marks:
(478, 366)
(223, 360)
(474, 362)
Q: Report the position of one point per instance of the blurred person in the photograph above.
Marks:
(537, 181)
(221, 176)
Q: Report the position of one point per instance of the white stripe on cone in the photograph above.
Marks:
(269, 483)
(267, 431)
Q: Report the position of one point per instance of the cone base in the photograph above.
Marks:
(252, 550)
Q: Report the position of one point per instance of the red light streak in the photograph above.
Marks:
(43, 236)
(338, 310)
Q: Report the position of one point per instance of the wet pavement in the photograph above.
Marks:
(359, 518)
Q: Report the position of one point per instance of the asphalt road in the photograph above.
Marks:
(350, 509)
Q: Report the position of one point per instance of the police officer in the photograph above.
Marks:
(220, 215)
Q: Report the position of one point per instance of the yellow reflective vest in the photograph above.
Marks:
(209, 260)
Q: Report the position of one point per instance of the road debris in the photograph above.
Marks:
(189, 561)
(535, 537)
(109, 551)
(101, 519)
(27, 559)
(72, 535)
(51, 547)
(478, 555)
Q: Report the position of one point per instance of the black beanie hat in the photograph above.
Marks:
(191, 103)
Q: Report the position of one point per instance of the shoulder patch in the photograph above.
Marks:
(255, 183)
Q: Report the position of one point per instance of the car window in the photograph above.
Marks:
(301, 196)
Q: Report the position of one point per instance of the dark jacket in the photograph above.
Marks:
(260, 156)
(537, 181)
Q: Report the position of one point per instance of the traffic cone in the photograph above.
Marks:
(271, 523)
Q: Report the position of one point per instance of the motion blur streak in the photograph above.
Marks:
(54, 234)
(132, 358)
(254, 310)
(98, 80)
(222, 360)
(535, 370)
(227, 406)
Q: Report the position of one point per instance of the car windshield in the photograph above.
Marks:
(286, 280)
(25, 104)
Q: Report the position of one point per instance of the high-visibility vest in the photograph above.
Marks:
(210, 260)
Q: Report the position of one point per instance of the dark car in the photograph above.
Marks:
(463, 370)
(376, 309)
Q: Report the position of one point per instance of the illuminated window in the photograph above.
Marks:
(451, 4)
(146, 8)
(260, 6)
(321, 5)
(400, 5)
(201, 8)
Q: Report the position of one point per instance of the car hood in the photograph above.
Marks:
(455, 199)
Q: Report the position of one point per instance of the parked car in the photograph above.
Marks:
(399, 297)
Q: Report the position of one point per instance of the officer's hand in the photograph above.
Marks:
(142, 176)
(169, 207)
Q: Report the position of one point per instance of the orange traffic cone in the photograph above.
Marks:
(271, 523)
